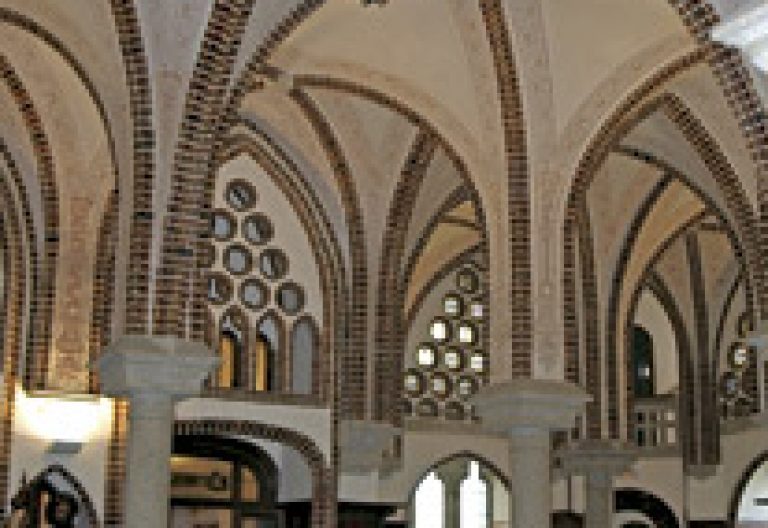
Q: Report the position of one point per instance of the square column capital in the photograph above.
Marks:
(524, 406)
(154, 365)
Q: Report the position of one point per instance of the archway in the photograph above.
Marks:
(749, 504)
(222, 482)
(463, 491)
(639, 509)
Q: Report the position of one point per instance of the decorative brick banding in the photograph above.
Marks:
(390, 324)
(513, 121)
(732, 73)
(13, 308)
(180, 302)
(39, 338)
(131, 42)
(353, 366)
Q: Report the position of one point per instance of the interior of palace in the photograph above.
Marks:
(383, 263)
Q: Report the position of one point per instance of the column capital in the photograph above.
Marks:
(529, 406)
(362, 443)
(454, 472)
(159, 365)
(606, 457)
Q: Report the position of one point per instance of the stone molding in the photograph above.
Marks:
(154, 365)
(522, 405)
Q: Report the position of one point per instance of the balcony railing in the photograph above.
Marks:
(656, 425)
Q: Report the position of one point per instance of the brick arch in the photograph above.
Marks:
(325, 246)
(732, 73)
(40, 329)
(323, 485)
(30, 26)
(103, 287)
(15, 303)
(518, 193)
(746, 235)
(104, 270)
(176, 311)
(627, 114)
(353, 386)
(427, 130)
(707, 403)
(126, 17)
(103, 296)
(390, 324)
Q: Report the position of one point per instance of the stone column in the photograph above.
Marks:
(452, 475)
(152, 372)
(527, 411)
(599, 461)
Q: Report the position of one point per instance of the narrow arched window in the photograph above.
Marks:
(271, 336)
(229, 351)
(303, 350)
(642, 362)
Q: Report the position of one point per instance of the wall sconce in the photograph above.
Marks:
(66, 421)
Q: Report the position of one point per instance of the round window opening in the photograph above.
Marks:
(240, 195)
(254, 294)
(290, 298)
(222, 225)
(257, 229)
(467, 280)
(440, 330)
(453, 305)
(219, 288)
(273, 263)
(426, 356)
(237, 259)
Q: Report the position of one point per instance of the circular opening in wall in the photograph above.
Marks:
(467, 334)
(426, 356)
(477, 362)
(219, 288)
(476, 309)
(453, 359)
(467, 280)
(466, 387)
(290, 298)
(273, 264)
(440, 384)
(222, 225)
(254, 294)
(240, 195)
(413, 383)
(237, 259)
(440, 330)
(453, 306)
(258, 229)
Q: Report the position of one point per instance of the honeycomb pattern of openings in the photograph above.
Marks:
(451, 365)
(256, 310)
